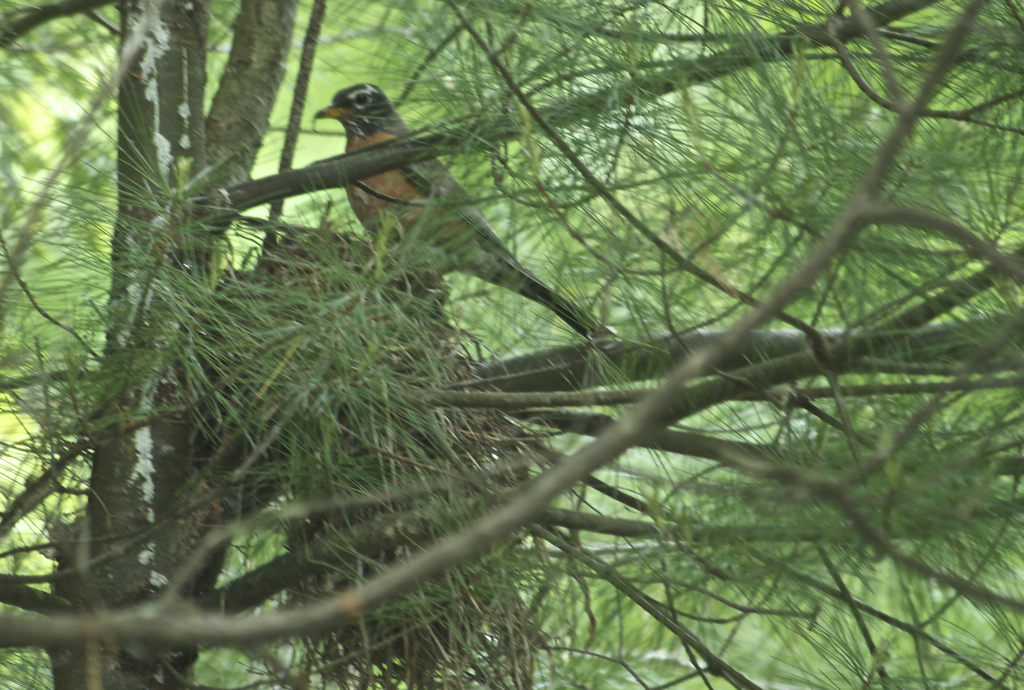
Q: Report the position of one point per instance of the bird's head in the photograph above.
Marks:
(364, 110)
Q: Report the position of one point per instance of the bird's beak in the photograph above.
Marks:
(334, 112)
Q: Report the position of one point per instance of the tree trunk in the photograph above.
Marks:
(138, 470)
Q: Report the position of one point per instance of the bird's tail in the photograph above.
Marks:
(531, 287)
(504, 271)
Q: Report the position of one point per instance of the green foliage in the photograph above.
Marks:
(867, 534)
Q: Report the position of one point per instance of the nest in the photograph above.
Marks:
(339, 386)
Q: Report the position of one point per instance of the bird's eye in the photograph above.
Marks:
(362, 99)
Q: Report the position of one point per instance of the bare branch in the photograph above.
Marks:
(31, 599)
(965, 115)
(886, 618)
(932, 221)
(38, 489)
(13, 268)
(864, 21)
(17, 22)
(847, 596)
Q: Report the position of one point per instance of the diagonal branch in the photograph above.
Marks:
(756, 51)
(17, 22)
(964, 115)
(927, 220)
(373, 160)
(325, 553)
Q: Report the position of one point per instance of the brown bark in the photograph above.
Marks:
(137, 473)
(240, 114)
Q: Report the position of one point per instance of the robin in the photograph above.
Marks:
(426, 197)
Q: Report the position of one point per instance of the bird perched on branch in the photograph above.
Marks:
(425, 198)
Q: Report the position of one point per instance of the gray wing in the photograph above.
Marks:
(493, 261)
(434, 181)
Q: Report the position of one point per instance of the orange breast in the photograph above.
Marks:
(391, 183)
(445, 228)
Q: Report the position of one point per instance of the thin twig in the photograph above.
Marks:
(615, 660)
(964, 115)
(13, 26)
(907, 38)
(291, 135)
(38, 489)
(1016, 14)
(657, 610)
(131, 47)
(846, 596)
(888, 69)
(844, 413)
(13, 268)
(413, 79)
(931, 221)
(104, 22)
(915, 631)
